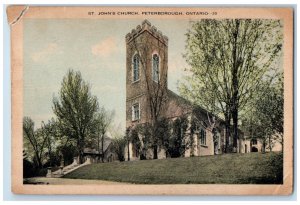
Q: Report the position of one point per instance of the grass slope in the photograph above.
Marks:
(251, 168)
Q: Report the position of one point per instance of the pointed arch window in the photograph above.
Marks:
(155, 67)
(136, 68)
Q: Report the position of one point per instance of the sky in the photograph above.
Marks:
(97, 49)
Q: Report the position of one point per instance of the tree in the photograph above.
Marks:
(269, 110)
(265, 115)
(103, 120)
(118, 141)
(75, 109)
(164, 130)
(34, 140)
(49, 131)
(177, 145)
(135, 139)
(145, 131)
(228, 60)
(66, 147)
(28, 168)
(127, 138)
(118, 146)
(144, 139)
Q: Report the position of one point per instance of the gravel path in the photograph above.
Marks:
(63, 181)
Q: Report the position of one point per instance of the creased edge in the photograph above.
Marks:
(23, 11)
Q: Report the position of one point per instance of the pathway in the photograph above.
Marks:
(65, 181)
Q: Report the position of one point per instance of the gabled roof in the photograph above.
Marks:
(186, 107)
(107, 142)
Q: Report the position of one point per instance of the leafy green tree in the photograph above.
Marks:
(269, 111)
(118, 146)
(49, 130)
(75, 109)
(228, 60)
(103, 120)
(34, 141)
(164, 129)
(66, 148)
(264, 119)
(177, 145)
(135, 139)
(66, 152)
(145, 131)
(157, 141)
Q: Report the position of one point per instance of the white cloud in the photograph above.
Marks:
(41, 55)
(105, 47)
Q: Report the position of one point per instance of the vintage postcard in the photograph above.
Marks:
(152, 100)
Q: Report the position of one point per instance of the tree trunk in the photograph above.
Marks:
(235, 127)
(102, 148)
(128, 153)
(235, 84)
(98, 143)
(270, 146)
(155, 152)
(264, 146)
(49, 151)
(39, 161)
(81, 160)
(227, 134)
(281, 142)
(154, 136)
(80, 150)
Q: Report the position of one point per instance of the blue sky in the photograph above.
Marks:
(96, 48)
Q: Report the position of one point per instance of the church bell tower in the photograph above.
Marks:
(146, 69)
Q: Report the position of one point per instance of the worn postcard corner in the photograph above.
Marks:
(15, 13)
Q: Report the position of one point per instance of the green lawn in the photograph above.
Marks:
(251, 168)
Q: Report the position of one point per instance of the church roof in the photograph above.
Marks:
(178, 106)
(106, 144)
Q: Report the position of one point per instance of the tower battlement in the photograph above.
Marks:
(146, 26)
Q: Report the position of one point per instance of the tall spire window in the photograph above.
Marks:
(155, 67)
(136, 68)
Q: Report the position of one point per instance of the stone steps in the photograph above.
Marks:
(67, 169)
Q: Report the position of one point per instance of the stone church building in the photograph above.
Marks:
(147, 95)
